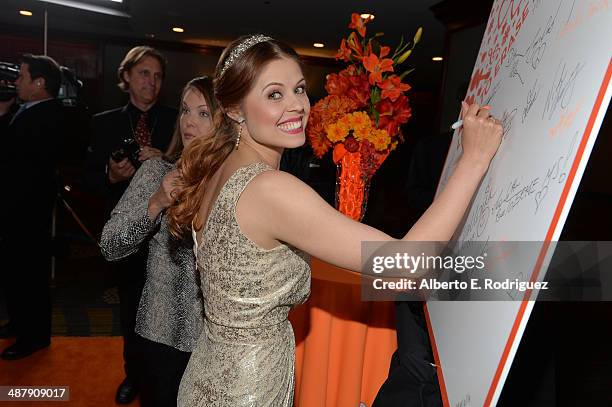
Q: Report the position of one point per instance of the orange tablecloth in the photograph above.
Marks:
(343, 345)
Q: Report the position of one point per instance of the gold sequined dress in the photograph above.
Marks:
(246, 352)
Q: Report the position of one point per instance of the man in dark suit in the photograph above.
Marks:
(27, 168)
(122, 139)
(7, 109)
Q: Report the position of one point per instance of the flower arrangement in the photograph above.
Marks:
(361, 116)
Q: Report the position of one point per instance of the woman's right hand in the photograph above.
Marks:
(481, 135)
(164, 196)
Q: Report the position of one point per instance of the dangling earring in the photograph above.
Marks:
(239, 133)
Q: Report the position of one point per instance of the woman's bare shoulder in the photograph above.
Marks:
(277, 182)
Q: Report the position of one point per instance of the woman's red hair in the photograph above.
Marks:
(205, 155)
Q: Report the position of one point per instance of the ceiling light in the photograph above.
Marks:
(26, 13)
(437, 59)
(117, 1)
(318, 45)
(111, 10)
(367, 16)
(178, 29)
(150, 35)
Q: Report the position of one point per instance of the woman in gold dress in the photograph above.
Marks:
(252, 223)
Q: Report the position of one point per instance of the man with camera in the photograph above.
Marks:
(28, 177)
(121, 140)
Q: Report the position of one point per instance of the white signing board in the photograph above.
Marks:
(544, 67)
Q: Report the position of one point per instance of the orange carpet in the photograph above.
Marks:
(91, 367)
(343, 350)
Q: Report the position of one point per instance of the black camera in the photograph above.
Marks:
(69, 88)
(130, 149)
(8, 75)
(69, 85)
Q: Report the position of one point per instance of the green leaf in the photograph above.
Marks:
(401, 42)
(395, 53)
(376, 116)
(375, 96)
(403, 49)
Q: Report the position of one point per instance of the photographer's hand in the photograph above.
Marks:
(120, 171)
(148, 152)
(163, 197)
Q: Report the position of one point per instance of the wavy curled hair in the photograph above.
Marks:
(205, 155)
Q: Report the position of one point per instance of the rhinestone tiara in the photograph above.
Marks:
(241, 48)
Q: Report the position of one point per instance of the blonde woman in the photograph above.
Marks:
(169, 318)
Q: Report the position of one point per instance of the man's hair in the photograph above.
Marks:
(41, 66)
(133, 57)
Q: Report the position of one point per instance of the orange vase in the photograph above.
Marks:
(352, 186)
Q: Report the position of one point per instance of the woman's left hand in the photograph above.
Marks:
(148, 152)
(164, 196)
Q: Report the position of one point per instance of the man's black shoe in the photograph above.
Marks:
(126, 392)
(20, 349)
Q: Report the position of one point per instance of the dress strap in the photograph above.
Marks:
(223, 210)
(240, 180)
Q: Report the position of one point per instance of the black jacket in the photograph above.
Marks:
(412, 381)
(108, 130)
(28, 160)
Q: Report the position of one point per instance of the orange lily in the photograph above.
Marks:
(401, 109)
(360, 89)
(384, 51)
(355, 45)
(344, 53)
(357, 23)
(393, 87)
(392, 114)
(376, 67)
